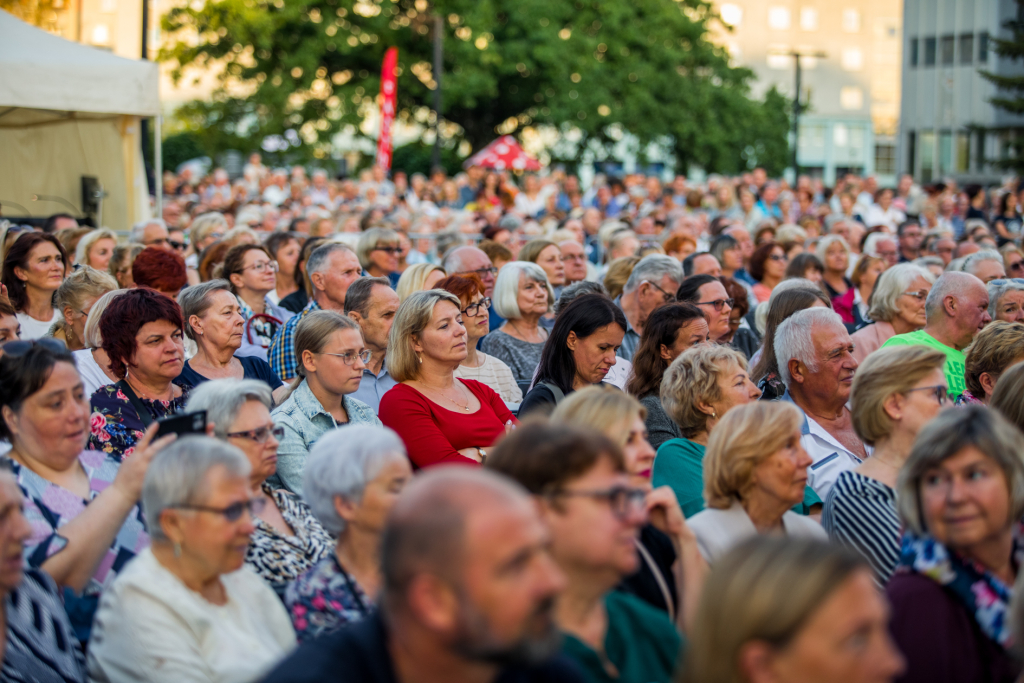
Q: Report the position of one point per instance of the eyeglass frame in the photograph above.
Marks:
(719, 304)
(636, 495)
(479, 271)
(919, 294)
(349, 358)
(262, 266)
(255, 434)
(390, 250)
(941, 392)
(485, 303)
(232, 513)
(669, 297)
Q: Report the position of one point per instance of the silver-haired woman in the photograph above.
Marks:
(352, 479)
(896, 306)
(1006, 300)
(522, 295)
(187, 609)
(287, 539)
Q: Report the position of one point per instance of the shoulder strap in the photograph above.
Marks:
(554, 389)
(137, 403)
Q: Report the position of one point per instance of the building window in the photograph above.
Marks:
(840, 135)
(966, 48)
(913, 52)
(809, 19)
(885, 159)
(947, 47)
(731, 14)
(911, 152)
(851, 97)
(851, 21)
(778, 18)
(853, 59)
(929, 51)
(983, 47)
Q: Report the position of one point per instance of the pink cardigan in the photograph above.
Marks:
(870, 338)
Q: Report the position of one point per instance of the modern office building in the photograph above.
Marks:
(852, 91)
(948, 128)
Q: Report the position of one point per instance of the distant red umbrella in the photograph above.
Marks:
(503, 154)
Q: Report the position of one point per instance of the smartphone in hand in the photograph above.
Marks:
(182, 424)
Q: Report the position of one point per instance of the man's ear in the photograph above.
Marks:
(950, 304)
(433, 602)
(318, 281)
(796, 370)
(355, 316)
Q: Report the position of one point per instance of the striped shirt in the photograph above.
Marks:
(41, 647)
(281, 353)
(860, 512)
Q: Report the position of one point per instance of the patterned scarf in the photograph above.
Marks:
(985, 596)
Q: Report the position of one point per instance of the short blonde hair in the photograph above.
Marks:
(888, 371)
(746, 436)
(84, 283)
(691, 379)
(412, 317)
(89, 239)
(371, 239)
(998, 346)
(602, 408)
(506, 287)
(91, 334)
(618, 273)
(414, 277)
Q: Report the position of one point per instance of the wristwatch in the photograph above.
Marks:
(483, 455)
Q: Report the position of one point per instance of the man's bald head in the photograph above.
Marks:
(462, 260)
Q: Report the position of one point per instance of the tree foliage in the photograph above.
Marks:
(1011, 99)
(313, 66)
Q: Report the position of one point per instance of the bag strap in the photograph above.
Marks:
(554, 389)
(137, 403)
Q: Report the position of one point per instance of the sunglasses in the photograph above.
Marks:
(388, 250)
(719, 303)
(482, 272)
(19, 347)
(231, 513)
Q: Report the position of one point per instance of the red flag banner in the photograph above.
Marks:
(388, 88)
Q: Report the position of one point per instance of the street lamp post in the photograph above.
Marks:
(797, 106)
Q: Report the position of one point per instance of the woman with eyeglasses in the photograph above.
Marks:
(896, 392)
(378, 251)
(331, 357)
(767, 266)
(707, 293)
(251, 272)
(288, 539)
(478, 365)
(74, 299)
(896, 305)
(1006, 300)
(32, 271)
(188, 608)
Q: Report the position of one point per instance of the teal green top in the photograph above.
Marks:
(641, 643)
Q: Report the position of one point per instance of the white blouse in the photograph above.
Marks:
(718, 531)
(92, 374)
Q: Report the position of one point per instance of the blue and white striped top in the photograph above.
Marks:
(860, 513)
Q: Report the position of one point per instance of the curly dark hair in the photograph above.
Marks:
(662, 327)
(17, 257)
(125, 316)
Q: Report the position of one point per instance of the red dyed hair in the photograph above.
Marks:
(462, 286)
(125, 316)
(161, 269)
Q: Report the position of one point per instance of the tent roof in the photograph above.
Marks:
(43, 71)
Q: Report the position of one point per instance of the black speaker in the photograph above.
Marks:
(92, 195)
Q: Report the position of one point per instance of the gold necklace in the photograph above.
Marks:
(447, 398)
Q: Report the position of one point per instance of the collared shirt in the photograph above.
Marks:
(630, 340)
(282, 350)
(372, 387)
(304, 421)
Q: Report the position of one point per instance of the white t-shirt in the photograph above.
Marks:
(36, 329)
(494, 374)
(90, 371)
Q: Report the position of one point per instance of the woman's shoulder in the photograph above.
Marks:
(802, 526)
(359, 411)
(479, 388)
(108, 395)
(850, 484)
(681, 447)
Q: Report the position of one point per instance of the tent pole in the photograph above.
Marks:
(158, 139)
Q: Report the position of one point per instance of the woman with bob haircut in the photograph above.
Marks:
(895, 393)
(33, 269)
(998, 346)
(378, 251)
(960, 498)
(418, 277)
(580, 351)
(790, 609)
(441, 419)
(522, 296)
(74, 299)
(1006, 300)
(896, 307)
(754, 472)
(834, 253)
(160, 269)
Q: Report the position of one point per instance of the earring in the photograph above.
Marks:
(177, 550)
(714, 415)
(420, 359)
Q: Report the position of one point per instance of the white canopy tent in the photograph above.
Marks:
(66, 111)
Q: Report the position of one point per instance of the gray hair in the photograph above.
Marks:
(206, 224)
(925, 261)
(91, 238)
(177, 476)
(195, 300)
(997, 292)
(138, 230)
(890, 286)
(91, 335)
(452, 262)
(222, 399)
(871, 243)
(652, 268)
(951, 283)
(970, 264)
(827, 241)
(506, 288)
(357, 297)
(371, 239)
(793, 339)
(576, 290)
(341, 463)
(320, 259)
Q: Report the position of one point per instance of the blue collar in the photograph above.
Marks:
(805, 428)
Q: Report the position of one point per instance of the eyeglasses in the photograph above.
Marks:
(669, 296)
(719, 303)
(389, 250)
(776, 257)
(233, 512)
(474, 309)
(482, 272)
(1017, 265)
(17, 348)
(263, 266)
(260, 435)
(941, 393)
(350, 357)
(156, 242)
(920, 294)
(623, 500)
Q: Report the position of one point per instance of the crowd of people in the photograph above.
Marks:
(488, 428)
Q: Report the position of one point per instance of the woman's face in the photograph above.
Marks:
(10, 328)
(965, 501)
(782, 476)
(479, 324)
(1011, 307)
(159, 351)
(594, 355)
(775, 264)
(533, 297)
(734, 388)
(910, 304)
(44, 268)
(870, 277)
(123, 274)
(379, 496)
(638, 452)
(222, 325)
(77, 319)
(210, 542)
(732, 259)
(916, 408)
(100, 253)
(444, 338)
(718, 318)
(836, 259)
(252, 416)
(693, 332)
(550, 259)
(14, 531)
(257, 273)
(331, 370)
(814, 275)
(288, 259)
(52, 424)
(385, 257)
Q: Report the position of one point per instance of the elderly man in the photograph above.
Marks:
(986, 265)
(372, 303)
(331, 268)
(652, 284)
(955, 310)
(940, 244)
(884, 246)
(702, 263)
(466, 260)
(816, 363)
(469, 594)
(574, 259)
(151, 233)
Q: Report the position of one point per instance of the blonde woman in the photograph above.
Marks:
(754, 472)
(74, 299)
(418, 278)
(699, 388)
(92, 361)
(897, 298)
(96, 248)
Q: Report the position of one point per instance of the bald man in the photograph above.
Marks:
(469, 593)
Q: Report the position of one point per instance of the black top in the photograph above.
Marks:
(252, 368)
(642, 583)
(295, 301)
(540, 398)
(359, 653)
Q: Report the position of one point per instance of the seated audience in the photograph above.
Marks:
(897, 306)
(160, 269)
(452, 609)
(417, 278)
(1008, 396)
(287, 539)
(141, 333)
(121, 264)
(834, 254)
(806, 266)
(331, 358)
(781, 306)
(252, 276)
(998, 346)
(440, 418)
(707, 293)
(284, 248)
(186, 608)
(700, 386)
(74, 299)
(372, 303)
(96, 248)
(522, 296)
(33, 269)
(986, 265)
(896, 392)
(92, 361)
(1006, 300)
(546, 254)
(378, 251)
(960, 498)
(652, 283)
(594, 516)
(768, 268)
(618, 273)
(669, 331)
(580, 351)
(853, 306)
(352, 480)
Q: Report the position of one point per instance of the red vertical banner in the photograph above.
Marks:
(388, 88)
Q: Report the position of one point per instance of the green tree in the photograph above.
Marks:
(1011, 99)
(313, 66)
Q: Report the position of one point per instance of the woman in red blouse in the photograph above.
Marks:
(440, 418)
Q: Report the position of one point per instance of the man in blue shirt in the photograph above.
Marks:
(372, 303)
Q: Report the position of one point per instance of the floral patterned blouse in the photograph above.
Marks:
(115, 425)
(324, 599)
(280, 559)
